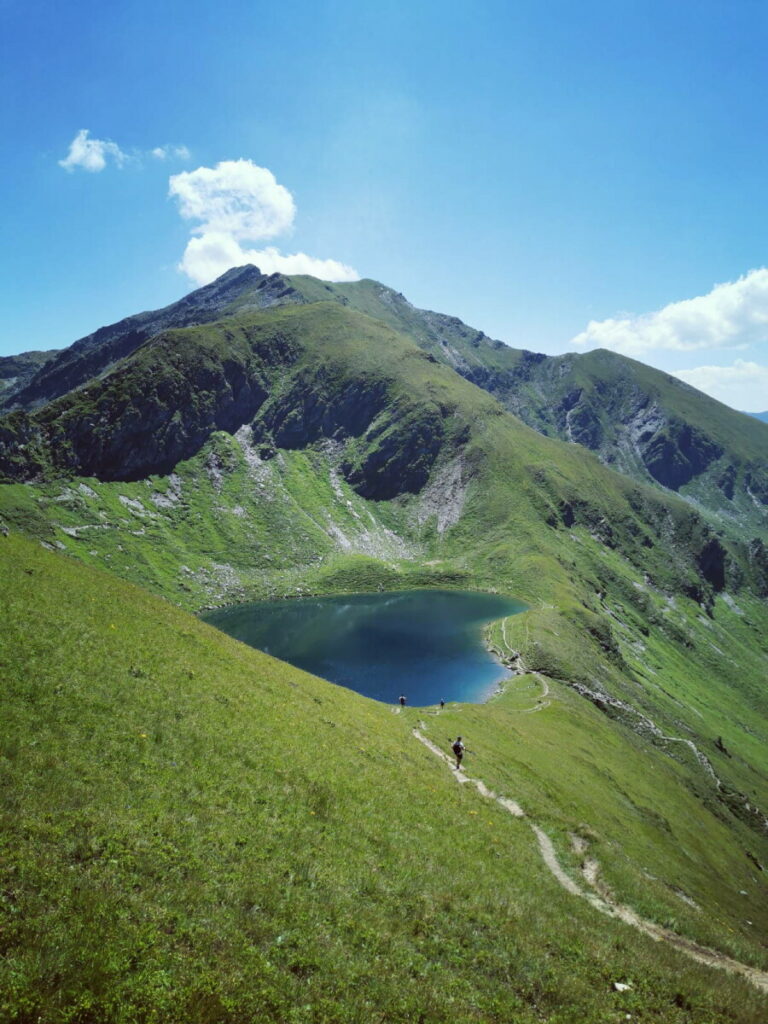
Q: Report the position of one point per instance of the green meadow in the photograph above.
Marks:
(195, 832)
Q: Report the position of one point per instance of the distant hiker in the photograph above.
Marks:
(402, 701)
(458, 749)
(442, 704)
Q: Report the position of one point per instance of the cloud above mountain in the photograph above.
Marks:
(743, 385)
(731, 315)
(237, 202)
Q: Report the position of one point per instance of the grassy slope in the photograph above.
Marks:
(536, 390)
(740, 433)
(195, 832)
(598, 372)
(611, 621)
(446, 337)
(696, 677)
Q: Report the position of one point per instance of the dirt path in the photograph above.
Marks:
(514, 656)
(542, 701)
(598, 894)
(504, 635)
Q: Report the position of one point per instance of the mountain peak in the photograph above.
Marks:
(92, 355)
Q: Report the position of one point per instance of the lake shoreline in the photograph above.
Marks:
(427, 644)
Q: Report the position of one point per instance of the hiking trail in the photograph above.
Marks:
(514, 659)
(598, 895)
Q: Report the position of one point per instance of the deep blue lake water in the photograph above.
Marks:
(424, 644)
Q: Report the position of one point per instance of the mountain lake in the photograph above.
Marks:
(423, 644)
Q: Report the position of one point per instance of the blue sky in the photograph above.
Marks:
(560, 175)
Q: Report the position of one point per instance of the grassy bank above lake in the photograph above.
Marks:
(194, 832)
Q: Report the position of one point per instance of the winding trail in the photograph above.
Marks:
(641, 724)
(542, 701)
(514, 656)
(599, 895)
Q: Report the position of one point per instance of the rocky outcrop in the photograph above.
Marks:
(16, 371)
(756, 483)
(315, 406)
(677, 453)
(396, 455)
(580, 421)
(120, 440)
(758, 562)
(711, 562)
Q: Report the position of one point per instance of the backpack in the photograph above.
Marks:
(458, 748)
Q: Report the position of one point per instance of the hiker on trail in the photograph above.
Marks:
(442, 703)
(458, 749)
(402, 701)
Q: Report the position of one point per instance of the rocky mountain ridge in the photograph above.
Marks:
(639, 421)
(17, 371)
(98, 352)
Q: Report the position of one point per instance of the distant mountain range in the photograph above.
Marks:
(759, 416)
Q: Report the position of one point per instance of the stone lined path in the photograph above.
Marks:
(598, 895)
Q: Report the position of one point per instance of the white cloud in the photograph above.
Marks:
(235, 202)
(743, 385)
(164, 152)
(91, 154)
(733, 315)
(207, 256)
(235, 197)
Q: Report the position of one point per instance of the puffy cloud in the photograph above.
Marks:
(207, 256)
(91, 154)
(732, 315)
(164, 152)
(237, 201)
(235, 197)
(743, 385)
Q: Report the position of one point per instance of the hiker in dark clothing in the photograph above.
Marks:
(442, 704)
(458, 749)
(402, 701)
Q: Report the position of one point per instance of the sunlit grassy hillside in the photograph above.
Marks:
(170, 785)
(195, 832)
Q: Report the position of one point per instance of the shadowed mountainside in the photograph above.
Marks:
(16, 371)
